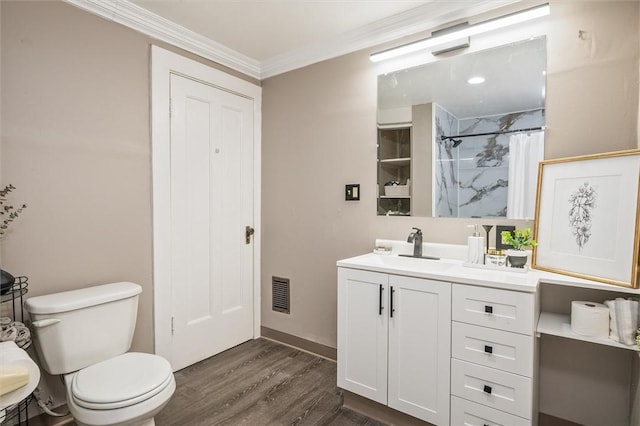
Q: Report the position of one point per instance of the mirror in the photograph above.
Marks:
(451, 148)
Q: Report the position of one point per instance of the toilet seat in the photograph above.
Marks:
(122, 381)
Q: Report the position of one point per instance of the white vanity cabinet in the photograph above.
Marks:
(394, 341)
(492, 356)
(462, 345)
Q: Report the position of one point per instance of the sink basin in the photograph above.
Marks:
(410, 263)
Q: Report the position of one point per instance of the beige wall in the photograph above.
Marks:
(75, 143)
(592, 82)
(319, 133)
(421, 158)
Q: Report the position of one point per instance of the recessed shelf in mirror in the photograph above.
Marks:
(394, 170)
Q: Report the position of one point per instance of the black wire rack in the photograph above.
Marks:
(15, 295)
(17, 414)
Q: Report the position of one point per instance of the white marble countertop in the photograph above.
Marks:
(451, 267)
(442, 270)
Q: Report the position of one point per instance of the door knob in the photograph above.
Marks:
(248, 232)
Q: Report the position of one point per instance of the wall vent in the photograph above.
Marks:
(280, 294)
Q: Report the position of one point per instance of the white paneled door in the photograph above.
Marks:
(211, 204)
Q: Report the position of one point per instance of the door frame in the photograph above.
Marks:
(163, 64)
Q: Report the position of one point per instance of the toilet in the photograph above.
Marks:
(84, 335)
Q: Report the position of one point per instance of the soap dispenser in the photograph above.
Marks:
(475, 246)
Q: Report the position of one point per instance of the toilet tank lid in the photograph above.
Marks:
(77, 299)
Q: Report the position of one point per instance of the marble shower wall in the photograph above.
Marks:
(477, 172)
(445, 166)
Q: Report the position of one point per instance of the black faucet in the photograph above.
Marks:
(416, 238)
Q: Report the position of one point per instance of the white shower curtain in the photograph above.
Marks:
(525, 152)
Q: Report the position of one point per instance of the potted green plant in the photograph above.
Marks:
(8, 213)
(519, 240)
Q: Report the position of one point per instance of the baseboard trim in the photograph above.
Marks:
(299, 343)
(549, 420)
(390, 416)
(44, 419)
(379, 412)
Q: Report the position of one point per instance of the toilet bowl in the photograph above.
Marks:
(84, 335)
(125, 390)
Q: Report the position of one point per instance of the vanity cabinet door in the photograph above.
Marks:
(419, 350)
(362, 333)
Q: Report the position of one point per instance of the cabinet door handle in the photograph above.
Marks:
(488, 309)
(488, 349)
(487, 389)
(392, 309)
(380, 301)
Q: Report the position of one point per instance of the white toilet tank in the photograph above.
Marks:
(78, 328)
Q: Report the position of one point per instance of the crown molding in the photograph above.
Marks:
(406, 24)
(130, 15)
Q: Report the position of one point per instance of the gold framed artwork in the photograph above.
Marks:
(586, 221)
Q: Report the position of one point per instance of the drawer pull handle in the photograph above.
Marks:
(488, 309)
(487, 389)
(488, 349)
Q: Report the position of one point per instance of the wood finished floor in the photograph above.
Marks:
(259, 383)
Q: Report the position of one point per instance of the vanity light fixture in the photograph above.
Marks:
(479, 28)
(476, 80)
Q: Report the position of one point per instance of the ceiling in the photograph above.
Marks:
(267, 28)
(263, 38)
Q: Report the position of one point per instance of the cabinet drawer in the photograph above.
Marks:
(469, 413)
(494, 388)
(499, 349)
(490, 307)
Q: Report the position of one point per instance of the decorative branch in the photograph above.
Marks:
(8, 213)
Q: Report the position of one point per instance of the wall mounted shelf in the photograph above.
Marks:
(560, 325)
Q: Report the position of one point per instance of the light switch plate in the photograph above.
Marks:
(352, 192)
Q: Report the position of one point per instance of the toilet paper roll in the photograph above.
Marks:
(590, 319)
(11, 356)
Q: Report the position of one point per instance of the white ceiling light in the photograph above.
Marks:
(479, 28)
(476, 80)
